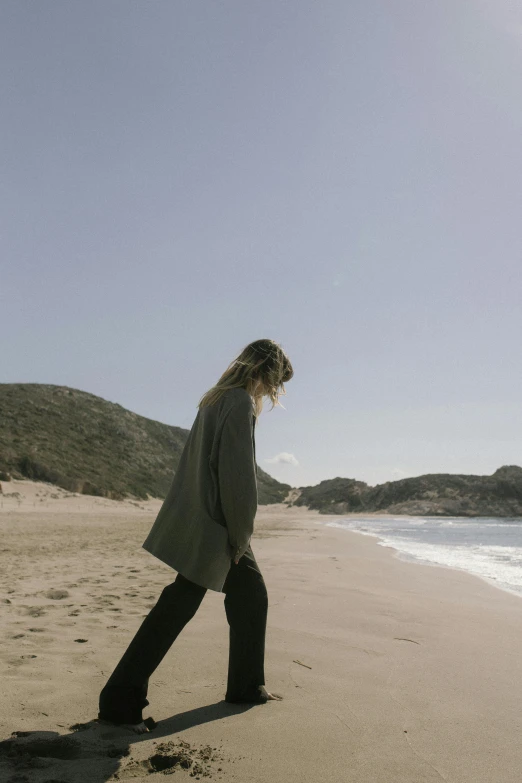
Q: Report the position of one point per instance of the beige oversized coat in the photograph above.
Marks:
(208, 514)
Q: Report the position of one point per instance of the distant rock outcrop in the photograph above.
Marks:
(434, 494)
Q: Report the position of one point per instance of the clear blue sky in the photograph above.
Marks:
(180, 178)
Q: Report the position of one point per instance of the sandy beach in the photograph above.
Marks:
(390, 671)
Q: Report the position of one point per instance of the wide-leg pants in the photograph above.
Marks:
(246, 605)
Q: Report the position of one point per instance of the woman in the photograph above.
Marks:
(203, 531)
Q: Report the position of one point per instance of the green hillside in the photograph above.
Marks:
(86, 444)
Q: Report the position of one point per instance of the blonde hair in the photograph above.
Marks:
(262, 360)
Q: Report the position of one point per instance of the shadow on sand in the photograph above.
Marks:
(95, 751)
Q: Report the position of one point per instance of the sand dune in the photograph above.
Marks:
(390, 671)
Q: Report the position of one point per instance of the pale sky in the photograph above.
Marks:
(180, 178)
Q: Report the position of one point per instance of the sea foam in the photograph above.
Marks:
(489, 548)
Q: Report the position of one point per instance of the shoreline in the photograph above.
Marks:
(405, 557)
(401, 557)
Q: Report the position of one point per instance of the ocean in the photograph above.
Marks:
(488, 547)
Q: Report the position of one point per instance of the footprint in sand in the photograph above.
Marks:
(56, 594)
(169, 756)
(104, 601)
(13, 663)
(36, 611)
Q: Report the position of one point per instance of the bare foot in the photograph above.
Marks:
(275, 696)
(139, 728)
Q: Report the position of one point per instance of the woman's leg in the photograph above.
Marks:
(246, 606)
(125, 694)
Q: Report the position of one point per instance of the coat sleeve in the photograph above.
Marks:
(237, 476)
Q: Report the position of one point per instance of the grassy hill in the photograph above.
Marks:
(86, 444)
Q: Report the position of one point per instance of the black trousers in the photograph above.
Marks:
(246, 605)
